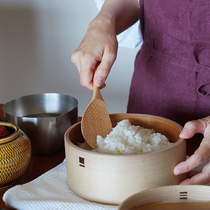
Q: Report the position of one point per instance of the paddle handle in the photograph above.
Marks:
(96, 89)
(96, 93)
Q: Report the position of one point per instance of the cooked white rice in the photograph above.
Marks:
(130, 139)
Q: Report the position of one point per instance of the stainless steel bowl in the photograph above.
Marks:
(44, 118)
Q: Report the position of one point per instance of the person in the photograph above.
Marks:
(172, 68)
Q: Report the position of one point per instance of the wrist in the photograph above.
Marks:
(104, 22)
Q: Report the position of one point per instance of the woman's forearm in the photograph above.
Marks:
(119, 14)
(100, 45)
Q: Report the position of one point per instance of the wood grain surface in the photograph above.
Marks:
(38, 165)
(179, 197)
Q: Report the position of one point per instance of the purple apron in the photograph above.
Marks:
(172, 69)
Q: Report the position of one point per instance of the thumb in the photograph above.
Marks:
(103, 69)
(100, 76)
(187, 133)
(191, 128)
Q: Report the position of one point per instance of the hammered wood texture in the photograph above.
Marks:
(95, 120)
(15, 155)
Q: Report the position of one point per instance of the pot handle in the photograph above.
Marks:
(1, 112)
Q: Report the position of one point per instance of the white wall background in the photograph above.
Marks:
(37, 38)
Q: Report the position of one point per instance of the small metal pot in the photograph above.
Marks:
(44, 118)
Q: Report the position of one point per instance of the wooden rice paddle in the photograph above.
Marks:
(95, 120)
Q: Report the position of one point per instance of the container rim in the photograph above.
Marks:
(6, 110)
(179, 141)
(12, 136)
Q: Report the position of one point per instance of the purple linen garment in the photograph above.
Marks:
(172, 69)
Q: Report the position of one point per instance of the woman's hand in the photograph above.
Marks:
(201, 155)
(99, 46)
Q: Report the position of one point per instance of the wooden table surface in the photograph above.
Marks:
(41, 164)
(38, 165)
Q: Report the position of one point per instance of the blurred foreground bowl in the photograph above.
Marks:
(44, 118)
(180, 197)
(110, 178)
